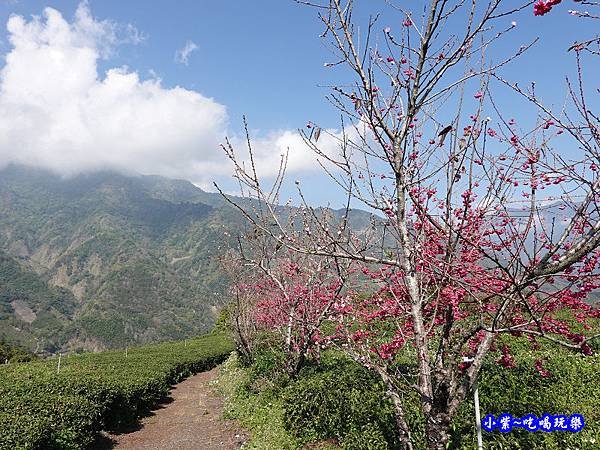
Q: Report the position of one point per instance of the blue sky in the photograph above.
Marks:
(260, 58)
(265, 59)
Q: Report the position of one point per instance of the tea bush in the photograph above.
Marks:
(339, 401)
(43, 409)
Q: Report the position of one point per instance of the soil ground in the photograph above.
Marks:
(190, 419)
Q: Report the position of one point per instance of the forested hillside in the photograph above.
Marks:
(106, 260)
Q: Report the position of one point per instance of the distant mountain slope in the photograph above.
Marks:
(28, 302)
(105, 260)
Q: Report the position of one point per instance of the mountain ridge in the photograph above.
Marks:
(105, 259)
(134, 255)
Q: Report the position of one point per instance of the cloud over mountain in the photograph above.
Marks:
(60, 113)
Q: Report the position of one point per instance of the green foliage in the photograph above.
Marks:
(18, 283)
(269, 362)
(110, 329)
(13, 353)
(334, 404)
(339, 399)
(223, 322)
(43, 409)
(572, 387)
(258, 408)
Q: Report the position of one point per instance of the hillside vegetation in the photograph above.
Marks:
(44, 408)
(9, 353)
(338, 404)
(105, 260)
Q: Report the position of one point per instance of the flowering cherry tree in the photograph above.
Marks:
(277, 290)
(294, 298)
(482, 224)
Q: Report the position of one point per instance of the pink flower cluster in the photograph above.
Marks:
(542, 7)
(507, 359)
(543, 372)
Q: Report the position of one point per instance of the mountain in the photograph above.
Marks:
(104, 260)
(107, 260)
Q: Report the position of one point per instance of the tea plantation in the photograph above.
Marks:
(337, 404)
(44, 408)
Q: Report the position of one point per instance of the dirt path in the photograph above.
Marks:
(192, 419)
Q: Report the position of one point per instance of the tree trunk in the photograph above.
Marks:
(401, 424)
(403, 429)
(242, 344)
(295, 363)
(437, 431)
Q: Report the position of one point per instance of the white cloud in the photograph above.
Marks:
(183, 54)
(59, 113)
(268, 149)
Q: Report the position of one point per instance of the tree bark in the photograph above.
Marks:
(401, 424)
(437, 431)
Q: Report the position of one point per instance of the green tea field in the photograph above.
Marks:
(43, 406)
